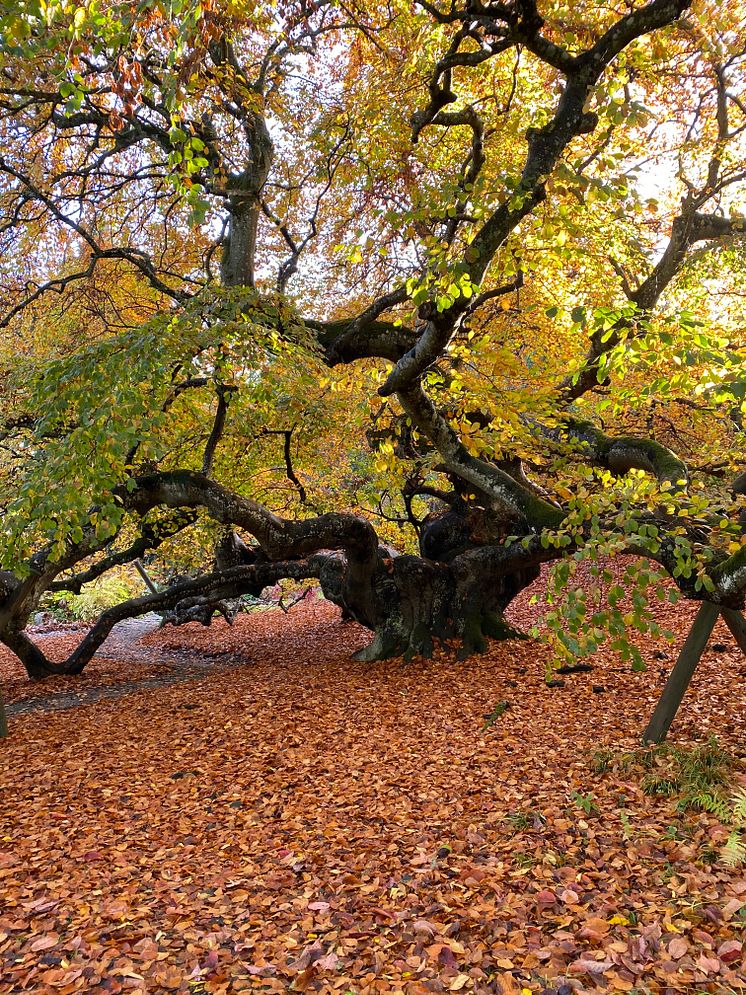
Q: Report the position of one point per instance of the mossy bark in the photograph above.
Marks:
(420, 603)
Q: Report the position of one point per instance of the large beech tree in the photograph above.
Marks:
(408, 297)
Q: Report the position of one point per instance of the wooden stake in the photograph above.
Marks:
(146, 577)
(681, 675)
(737, 625)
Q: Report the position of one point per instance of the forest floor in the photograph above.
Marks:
(247, 810)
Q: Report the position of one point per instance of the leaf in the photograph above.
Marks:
(708, 965)
(678, 947)
(507, 984)
(45, 943)
(730, 951)
(584, 965)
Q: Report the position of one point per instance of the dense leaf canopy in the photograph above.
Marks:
(461, 278)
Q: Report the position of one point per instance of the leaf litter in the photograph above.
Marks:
(305, 823)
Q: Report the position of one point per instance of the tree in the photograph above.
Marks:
(470, 270)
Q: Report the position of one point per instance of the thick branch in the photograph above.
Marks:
(622, 453)
(222, 584)
(687, 229)
(279, 538)
(153, 535)
(730, 577)
(521, 504)
(218, 426)
(350, 339)
(640, 22)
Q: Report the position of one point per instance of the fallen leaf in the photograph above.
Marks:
(678, 947)
(730, 951)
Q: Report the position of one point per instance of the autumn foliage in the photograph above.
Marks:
(414, 306)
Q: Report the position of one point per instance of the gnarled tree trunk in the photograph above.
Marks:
(459, 592)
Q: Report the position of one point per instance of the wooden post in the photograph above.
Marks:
(3, 719)
(146, 577)
(737, 625)
(681, 675)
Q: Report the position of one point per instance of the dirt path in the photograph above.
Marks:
(124, 644)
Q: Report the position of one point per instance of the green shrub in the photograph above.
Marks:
(94, 598)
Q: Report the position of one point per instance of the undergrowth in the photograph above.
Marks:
(700, 778)
(94, 598)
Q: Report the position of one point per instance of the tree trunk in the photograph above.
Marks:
(457, 589)
(419, 602)
(244, 206)
(412, 598)
(33, 659)
(239, 248)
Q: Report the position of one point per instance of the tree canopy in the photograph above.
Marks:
(417, 296)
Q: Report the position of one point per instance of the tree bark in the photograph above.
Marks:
(420, 602)
(239, 248)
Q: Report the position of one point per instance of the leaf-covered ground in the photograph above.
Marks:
(306, 823)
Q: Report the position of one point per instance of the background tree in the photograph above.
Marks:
(469, 273)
